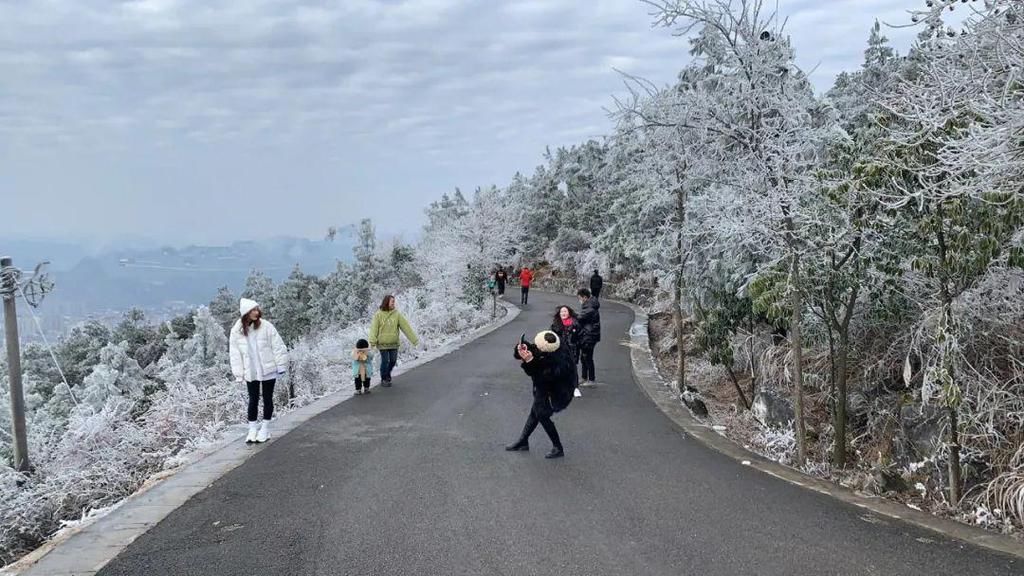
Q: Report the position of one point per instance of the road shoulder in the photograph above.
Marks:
(648, 379)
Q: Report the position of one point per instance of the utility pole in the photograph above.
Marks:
(9, 290)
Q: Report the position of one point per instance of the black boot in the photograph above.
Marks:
(523, 444)
(556, 442)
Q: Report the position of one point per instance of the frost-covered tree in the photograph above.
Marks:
(224, 307)
(447, 250)
(400, 267)
(949, 196)
(200, 359)
(294, 305)
(759, 109)
(494, 227)
(663, 177)
(260, 287)
(116, 375)
(79, 352)
(142, 337)
(543, 203)
(846, 222)
(333, 306)
(368, 269)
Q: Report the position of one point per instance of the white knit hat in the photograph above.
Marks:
(245, 306)
(546, 341)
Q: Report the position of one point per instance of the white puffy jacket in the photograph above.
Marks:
(273, 352)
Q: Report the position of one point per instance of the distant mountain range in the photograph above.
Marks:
(91, 282)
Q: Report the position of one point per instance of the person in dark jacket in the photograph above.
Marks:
(567, 326)
(548, 364)
(596, 284)
(501, 277)
(590, 333)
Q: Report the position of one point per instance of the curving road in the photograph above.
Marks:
(413, 481)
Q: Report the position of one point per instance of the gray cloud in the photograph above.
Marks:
(182, 119)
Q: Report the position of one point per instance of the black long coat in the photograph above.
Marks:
(596, 285)
(590, 323)
(554, 378)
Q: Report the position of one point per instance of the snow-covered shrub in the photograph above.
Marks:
(779, 444)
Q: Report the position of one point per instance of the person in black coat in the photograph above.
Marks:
(590, 333)
(548, 364)
(596, 284)
(501, 277)
(567, 326)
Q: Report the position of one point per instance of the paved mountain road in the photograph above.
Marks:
(413, 480)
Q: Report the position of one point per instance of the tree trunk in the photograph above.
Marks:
(796, 342)
(839, 450)
(680, 348)
(677, 308)
(954, 457)
(678, 295)
(750, 356)
(952, 404)
(952, 408)
(736, 383)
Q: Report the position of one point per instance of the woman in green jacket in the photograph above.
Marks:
(384, 336)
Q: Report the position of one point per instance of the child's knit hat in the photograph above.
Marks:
(362, 344)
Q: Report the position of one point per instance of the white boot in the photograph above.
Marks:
(264, 432)
(253, 428)
(576, 393)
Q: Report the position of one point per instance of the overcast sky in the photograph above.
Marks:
(213, 120)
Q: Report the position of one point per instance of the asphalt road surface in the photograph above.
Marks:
(413, 480)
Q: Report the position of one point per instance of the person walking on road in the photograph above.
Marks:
(501, 278)
(362, 366)
(548, 365)
(258, 357)
(567, 327)
(596, 284)
(385, 331)
(525, 279)
(590, 333)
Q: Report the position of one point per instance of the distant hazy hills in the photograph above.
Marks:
(91, 281)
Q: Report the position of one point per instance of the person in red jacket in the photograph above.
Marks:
(525, 278)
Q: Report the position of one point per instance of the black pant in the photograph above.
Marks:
(362, 383)
(542, 417)
(501, 288)
(526, 294)
(587, 361)
(254, 399)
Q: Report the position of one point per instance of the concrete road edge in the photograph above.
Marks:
(668, 401)
(86, 550)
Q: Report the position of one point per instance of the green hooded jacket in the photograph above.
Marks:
(385, 328)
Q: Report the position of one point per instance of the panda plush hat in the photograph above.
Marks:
(547, 342)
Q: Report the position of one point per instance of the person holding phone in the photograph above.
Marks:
(550, 367)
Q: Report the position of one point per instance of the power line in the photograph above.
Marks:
(49, 348)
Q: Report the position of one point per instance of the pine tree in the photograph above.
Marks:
(224, 307)
(260, 287)
(294, 305)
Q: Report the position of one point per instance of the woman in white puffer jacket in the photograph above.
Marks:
(258, 358)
